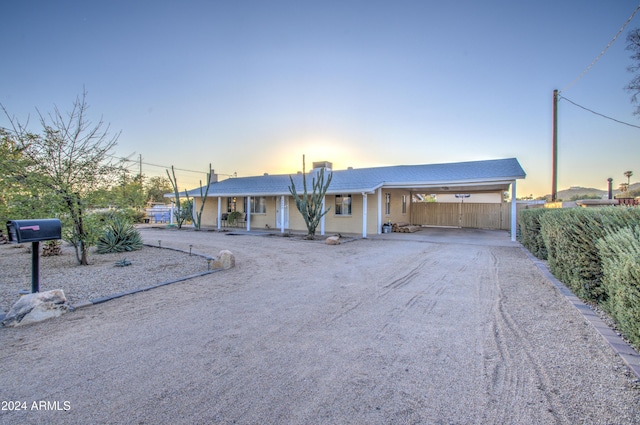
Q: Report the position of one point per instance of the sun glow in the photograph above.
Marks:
(288, 159)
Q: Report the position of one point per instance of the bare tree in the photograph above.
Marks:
(68, 160)
(633, 44)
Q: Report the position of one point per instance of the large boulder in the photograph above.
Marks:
(225, 260)
(37, 307)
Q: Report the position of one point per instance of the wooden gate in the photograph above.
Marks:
(478, 216)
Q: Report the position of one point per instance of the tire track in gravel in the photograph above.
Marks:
(423, 290)
(509, 353)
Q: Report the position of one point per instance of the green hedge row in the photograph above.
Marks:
(530, 234)
(584, 248)
(620, 255)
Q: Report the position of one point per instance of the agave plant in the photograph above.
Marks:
(119, 236)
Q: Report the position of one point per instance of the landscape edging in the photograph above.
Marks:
(626, 352)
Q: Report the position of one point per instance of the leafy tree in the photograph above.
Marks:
(65, 163)
(155, 189)
(310, 204)
(14, 187)
(129, 192)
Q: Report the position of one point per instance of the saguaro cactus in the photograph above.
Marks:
(310, 204)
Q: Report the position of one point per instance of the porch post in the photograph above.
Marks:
(322, 218)
(379, 211)
(514, 211)
(219, 219)
(364, 215)
(282, 214)
(248, 213)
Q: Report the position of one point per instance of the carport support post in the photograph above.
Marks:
(35, 267)
(514, 211)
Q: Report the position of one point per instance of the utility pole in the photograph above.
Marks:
(140, 165)
(554, 175)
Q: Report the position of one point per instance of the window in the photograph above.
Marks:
(404, 204)
(258, 205)
(231, 204)
(343, 204)
(387, 203)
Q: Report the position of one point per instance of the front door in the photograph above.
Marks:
(280, 209)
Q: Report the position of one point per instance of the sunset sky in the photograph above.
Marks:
(251, 86)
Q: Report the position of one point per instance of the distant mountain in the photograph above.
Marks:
(575, 192)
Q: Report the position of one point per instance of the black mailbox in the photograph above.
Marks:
(21, 231)
(34, 231)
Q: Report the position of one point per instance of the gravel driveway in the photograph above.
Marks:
(400, 331)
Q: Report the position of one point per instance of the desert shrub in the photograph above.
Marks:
(129, 214)
(570, 237)
(530, 233)
(620, 255)
(133, 215)
(119, 236)
(233, 217)
(51, 248)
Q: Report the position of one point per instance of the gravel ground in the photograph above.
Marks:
(101, 278)
(366, 332)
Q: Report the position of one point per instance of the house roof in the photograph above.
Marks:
(474, 176)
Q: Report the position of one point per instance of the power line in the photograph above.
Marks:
(597, 113)
(135, 161)
(588, 68)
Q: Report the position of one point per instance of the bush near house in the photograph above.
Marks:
(596, 253)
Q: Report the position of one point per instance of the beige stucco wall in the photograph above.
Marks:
(395, 214)
(210, 212)
(476, 198)
(333, 223)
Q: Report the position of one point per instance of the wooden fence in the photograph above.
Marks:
(479, 216)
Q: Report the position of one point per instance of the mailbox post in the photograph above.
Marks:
(34, 231)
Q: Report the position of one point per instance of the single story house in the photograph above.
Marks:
(359, 200)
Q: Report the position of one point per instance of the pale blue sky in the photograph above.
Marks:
(251, 86)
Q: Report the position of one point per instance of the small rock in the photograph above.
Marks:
(37, 307)
(332, 240)
(225, 260)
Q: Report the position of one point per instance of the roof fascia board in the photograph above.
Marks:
(421, 184)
